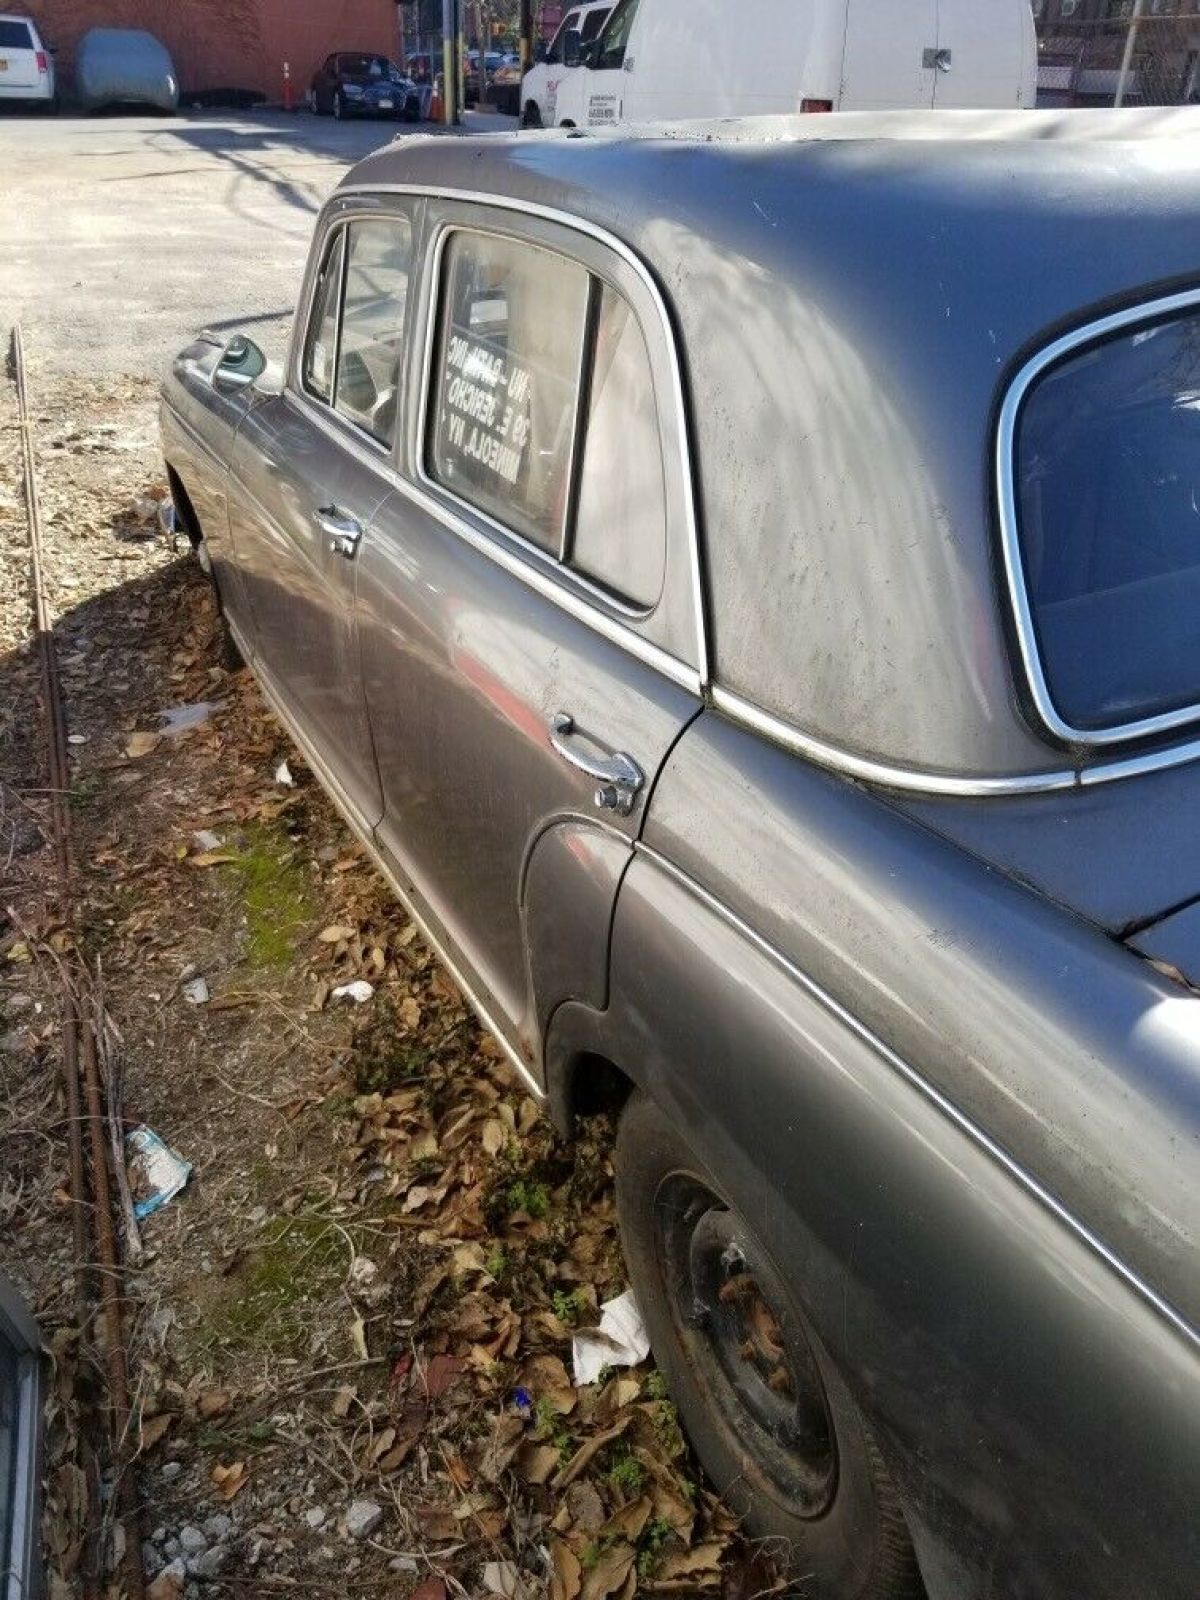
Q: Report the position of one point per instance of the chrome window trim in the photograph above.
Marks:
(929, 1090)
(1006, 491)
(631, 259)
(883, 773)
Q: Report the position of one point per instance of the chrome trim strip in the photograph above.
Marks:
(880, 772)
(1006, 442)
(637, 265)
(365, 836)
(931, 1093)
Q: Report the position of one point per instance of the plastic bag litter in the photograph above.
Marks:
(156, 1173)
(116, 66)
(620, 1340)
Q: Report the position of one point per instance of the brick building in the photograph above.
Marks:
(228, 44)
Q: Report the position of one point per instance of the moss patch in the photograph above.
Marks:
(268, 1304)
(275, 896)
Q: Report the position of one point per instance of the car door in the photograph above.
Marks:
(311, 470)
(890, 54)
(604, 81)
(530, 631)
(983, 54)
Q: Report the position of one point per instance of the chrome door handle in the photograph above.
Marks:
(344, 531)
(618, 777)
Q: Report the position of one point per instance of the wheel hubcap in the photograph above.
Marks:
(753, 1362)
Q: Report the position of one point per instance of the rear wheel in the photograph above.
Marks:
(768, 1413)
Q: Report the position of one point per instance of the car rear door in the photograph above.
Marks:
(987, 54)
(604, 82)
(528, 607)
(312, 467)
(18, 57)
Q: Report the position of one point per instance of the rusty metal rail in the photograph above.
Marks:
(98, 1272)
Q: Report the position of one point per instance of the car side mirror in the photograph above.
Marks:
(241, 362)
(542, 53)
(573, 49)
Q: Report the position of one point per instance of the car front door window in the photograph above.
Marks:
(320, 350)
(374, 312)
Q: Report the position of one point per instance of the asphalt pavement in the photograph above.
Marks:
(121, 235)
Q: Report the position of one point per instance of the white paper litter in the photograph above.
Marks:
(156, 1173)
(503, 1578)
(206, 839)
(195, 992)
(619, 1341)
(283, 775)
(178, 719)
(360, 991)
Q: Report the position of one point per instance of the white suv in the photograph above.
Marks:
(26, 63)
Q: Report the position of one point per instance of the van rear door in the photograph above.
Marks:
(988, 54)
(890, 52)
(18, 56)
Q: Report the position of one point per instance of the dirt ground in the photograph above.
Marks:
(350, 1337)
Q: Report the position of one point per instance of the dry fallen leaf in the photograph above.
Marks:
(211, 858)
(141, 743)
(568, 1574)
(153, 1429)
(336, 932)
(228, 1480)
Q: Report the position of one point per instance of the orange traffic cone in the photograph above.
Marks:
(436, 109)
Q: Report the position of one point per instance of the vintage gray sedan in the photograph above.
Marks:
(743, 585)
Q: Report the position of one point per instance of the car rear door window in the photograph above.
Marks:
(543, 413)
(374, 315)
(620, 532)
(1107, 489)
(15, 35)
(508, 373)
(320, 349)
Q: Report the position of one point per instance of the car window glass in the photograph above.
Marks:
(569, 23)
(611, 50)
(507, 381)
(321, 346)
(1108, 500)
(15, 36)
(621, 519)
(592, 24)
(378, 261)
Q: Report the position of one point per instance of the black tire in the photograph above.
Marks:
(531, 117)
(788, 1448)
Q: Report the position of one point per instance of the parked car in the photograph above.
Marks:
(352, 83)
(125, 67)
(617, 544)
(664, 59)
(539, 95)
(471, 81)
(504, 87)
(26, 64)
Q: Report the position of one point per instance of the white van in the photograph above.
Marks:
(26, 63)
(667, 59)
(539, 91)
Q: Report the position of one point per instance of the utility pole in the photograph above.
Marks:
(1139, 7)
(449, 64)
(525, 45)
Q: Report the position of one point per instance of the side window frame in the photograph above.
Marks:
(675, 622)
(343, 210)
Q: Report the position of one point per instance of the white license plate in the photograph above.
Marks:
(385, 105)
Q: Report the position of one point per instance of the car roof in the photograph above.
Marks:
(853, 294)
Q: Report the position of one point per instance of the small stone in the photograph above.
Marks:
(158, 1535)
(257, 1216)
(315, 1516)
(170, 1470)
(208, 1563)
(363, 1517)
(151, 1560)
(219, 1526)
(172, 1548)
(192, 1540)
(168, 1585)
(402, 1564)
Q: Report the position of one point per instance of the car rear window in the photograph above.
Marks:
(15, 36)
(1107, 490)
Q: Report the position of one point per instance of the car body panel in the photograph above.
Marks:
(1039, 1416)
(860, 934)
(27, 70)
